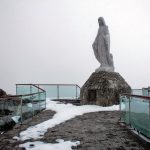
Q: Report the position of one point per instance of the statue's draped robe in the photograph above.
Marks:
(101, 47)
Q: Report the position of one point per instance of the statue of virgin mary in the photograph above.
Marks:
(101, 47)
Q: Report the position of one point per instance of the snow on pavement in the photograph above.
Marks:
(64, 112)
(61, 145)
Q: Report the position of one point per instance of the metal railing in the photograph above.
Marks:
(28, 101)
(61, 91)
(33, 99)
(135, 112)
(142, 92)
(146, 91)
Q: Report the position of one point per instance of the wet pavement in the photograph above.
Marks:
(95, 131)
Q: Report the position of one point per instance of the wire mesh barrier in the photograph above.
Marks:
(61, 91)
(29, 100)
(135, 111)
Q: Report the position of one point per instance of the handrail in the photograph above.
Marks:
(52, 84)
(38, 87)
(11, 96)
(138, 96)
(33, 85)
(42, 87)
(136, 89)
(30, 94)
(61, 85)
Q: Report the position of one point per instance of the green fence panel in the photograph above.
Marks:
(135, 111)
(61, 91)
(139, 115)
(51, 91)
(34, 89)
(42, 101)
(27, 107)
(124, 105)
(146, 91)
(23, 89)
(67, 92)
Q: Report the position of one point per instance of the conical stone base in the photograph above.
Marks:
(103, 88)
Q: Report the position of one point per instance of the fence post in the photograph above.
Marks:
(129, 111)
(16, 89)
(31, 99)
(120, 100)
(39, 99)
(21, 110)
(76, 92)
(45, 100)
(58, 91)
(149, 110)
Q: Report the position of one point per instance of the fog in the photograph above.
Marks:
(50, 41)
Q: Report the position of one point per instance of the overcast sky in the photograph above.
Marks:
(50, 41)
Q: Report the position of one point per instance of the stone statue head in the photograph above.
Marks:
(101, 21)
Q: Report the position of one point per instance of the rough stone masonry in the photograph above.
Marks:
(103, 88)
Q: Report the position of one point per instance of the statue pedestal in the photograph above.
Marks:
(105, 68)
(103, 88)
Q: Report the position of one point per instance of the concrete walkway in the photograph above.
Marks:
(95, 131)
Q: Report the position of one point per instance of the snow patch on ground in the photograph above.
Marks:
(64, 112)
(61, 145)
